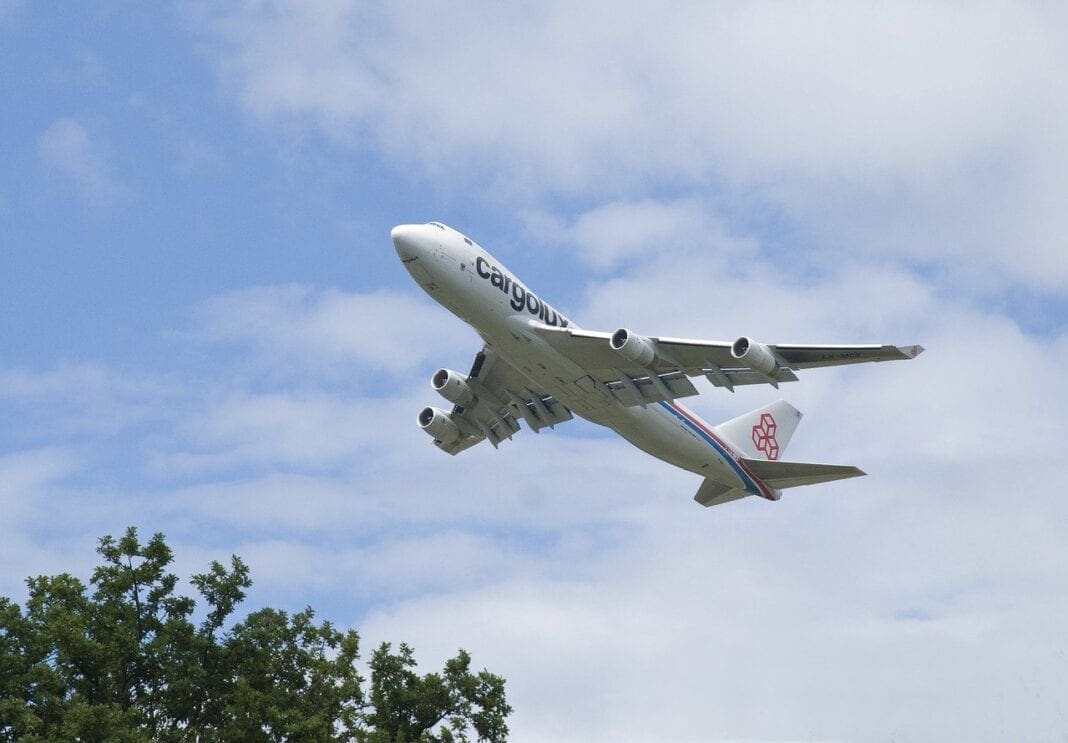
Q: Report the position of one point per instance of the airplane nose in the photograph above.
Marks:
(406, 240)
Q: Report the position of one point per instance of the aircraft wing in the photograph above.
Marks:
(622, 358)
(503, 398)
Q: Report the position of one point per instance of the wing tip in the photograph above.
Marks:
(911, 352)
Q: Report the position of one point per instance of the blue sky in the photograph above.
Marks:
(206, 332)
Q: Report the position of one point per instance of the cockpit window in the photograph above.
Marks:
(439, 225)
(468, 241)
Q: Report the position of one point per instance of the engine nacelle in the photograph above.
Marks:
(756, 356)
(635, 348)
(453, 387)
(439, 424)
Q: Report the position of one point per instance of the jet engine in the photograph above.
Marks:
(634, 348)
(453, 387)
(439, 424)
(756, 356)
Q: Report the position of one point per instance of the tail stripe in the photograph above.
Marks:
(725, 450)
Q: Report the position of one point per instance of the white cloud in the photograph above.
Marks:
(922, 602)
(928, 132)
(25, 472)
(329, 331)
(577, 566)
(581, 569)
(622, 232)
(717, 635)
(413, 485)
(308, 429)
(813, 617)
(83, 398)
(686, 276)
(980, 366)
(66, 147)
(28, 480)
(397, 567)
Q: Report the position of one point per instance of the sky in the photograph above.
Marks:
(205, 331)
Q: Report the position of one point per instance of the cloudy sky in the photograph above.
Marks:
(205, 331)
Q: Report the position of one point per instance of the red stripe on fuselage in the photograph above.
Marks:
(765, 491)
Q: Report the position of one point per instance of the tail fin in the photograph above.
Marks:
(762, 434)
(761, 437)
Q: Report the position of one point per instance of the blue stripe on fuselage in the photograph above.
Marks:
(750, 484)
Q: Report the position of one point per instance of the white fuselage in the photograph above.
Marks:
(478, 289)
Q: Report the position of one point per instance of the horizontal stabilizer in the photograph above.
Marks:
(713, 493)
(780, 475)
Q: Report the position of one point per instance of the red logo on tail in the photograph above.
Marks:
(764, 436)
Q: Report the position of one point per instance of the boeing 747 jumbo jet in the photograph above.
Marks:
(540, 368)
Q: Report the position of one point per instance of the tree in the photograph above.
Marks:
(126, 662)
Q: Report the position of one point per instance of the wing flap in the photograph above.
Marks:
(456, 447)
(648, 388)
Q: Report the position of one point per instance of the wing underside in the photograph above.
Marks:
(503, 398)
(666, 375)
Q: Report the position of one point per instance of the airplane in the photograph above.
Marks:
(540, 368)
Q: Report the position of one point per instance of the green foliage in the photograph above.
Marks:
(408, 707)
(125, 662)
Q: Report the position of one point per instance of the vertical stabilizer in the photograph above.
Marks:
(763, 433)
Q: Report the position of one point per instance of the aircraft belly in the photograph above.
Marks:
(650, 429)
(658, 434)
